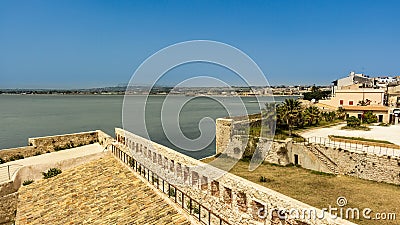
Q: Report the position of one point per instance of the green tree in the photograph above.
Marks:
(289, 112)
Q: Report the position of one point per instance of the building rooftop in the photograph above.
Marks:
(99, 192)
(366, 108)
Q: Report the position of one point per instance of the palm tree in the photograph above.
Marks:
(313, 113)
(341, 113)
(289, 112)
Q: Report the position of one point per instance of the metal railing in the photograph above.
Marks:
(193, 207)
(7, 171)
(354, 147)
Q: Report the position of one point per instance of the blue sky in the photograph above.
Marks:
(77, 44)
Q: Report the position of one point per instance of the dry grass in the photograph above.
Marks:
(321, 190)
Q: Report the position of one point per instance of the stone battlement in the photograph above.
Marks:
(234, 199)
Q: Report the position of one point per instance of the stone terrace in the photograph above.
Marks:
(99, 192)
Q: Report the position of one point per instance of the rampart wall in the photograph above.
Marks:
(316, 157)
(237, 200)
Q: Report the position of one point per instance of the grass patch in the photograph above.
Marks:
(365, 128)
(362, 139)
(321, 173)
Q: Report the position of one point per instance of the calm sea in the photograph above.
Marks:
(24, 116)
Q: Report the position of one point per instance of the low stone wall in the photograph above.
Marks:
(59, 142)
(7, 188)
(332, 138)
(27, 151)
(41, 145)
(365, 166)
(104, 139)
(8, 207)
(235, 199)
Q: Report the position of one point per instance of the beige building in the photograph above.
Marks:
(381, 112)
(394, 96)
(352, 97)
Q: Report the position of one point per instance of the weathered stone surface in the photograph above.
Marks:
(99, 192)
(41, 145)
(8, 207)
(236, 198)
(314, 156)
(64, 141)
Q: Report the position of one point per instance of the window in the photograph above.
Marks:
(351, 102)
(204, 183)
(341, 102)
(171, 166)
(241, 201)
(215, 188)
(195, 179)
(228, 196)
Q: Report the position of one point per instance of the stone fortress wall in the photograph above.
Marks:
(235, 199)
(313, 156)
(9, 188)
(42, 145)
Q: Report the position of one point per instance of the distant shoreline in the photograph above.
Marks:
(8, 94)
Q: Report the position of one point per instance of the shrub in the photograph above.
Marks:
(369, 117)
(37, 153)
(2, 161)
(131, 163)
(58, 148)
(52, 172)
(282, 151)
(172, 192)
(27, 182)
(16, 157)
(263, 179)
(353, 121)
(194, 209)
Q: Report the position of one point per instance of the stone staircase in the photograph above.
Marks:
(332, 166)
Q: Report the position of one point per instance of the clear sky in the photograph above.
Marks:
(78, 44)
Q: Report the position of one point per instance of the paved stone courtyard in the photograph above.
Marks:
(99, 192)
(391, 133)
